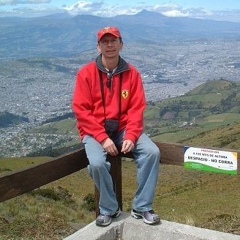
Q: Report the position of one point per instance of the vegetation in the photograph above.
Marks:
(58, 209)
(208, 116)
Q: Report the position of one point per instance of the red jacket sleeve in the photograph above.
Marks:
(83, 104)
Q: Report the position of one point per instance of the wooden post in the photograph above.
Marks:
(116, 173)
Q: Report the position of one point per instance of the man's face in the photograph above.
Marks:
(110, 46)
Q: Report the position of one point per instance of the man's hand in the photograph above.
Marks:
(110, 147)
(127, 146)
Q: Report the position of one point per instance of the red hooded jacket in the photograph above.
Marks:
(88, 100)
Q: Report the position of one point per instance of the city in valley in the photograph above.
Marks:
(41, 88)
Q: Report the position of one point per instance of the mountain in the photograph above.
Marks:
(63, 35)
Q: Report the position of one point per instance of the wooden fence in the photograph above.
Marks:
(23, 181)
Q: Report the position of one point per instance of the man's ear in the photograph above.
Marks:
(121, 46)
(98, 48)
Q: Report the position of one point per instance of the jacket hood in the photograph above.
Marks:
(122, 65)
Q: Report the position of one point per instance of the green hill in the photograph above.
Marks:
(219, 96)
(211, 107)
(212, 87)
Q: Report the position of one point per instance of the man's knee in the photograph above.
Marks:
(154, 151)
(98, 165)
(157, 152)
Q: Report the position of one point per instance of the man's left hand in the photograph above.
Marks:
(127, 146)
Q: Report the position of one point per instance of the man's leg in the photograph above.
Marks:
(99, 171)
(147, 156)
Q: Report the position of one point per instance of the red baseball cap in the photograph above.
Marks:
(109, 30)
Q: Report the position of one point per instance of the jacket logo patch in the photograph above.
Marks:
(125, 93)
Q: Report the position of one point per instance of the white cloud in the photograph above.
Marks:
(233, 16)
(175, 13)
(173, 10)
(84, 7)
(16, 2)
(99, 9)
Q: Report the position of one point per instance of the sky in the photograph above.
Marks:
(222, 10)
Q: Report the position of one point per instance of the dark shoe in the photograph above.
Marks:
(148, 217)
(117, 213)
(105, 220)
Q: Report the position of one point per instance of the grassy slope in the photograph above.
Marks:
(190, 197)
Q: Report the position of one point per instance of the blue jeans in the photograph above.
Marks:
(147, 157)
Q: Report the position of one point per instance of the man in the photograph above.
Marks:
(109, 103)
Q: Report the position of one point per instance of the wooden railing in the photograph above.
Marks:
(20, 182)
